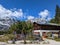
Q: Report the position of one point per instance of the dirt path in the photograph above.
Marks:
(53, 42)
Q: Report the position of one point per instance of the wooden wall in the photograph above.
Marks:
(45, 27)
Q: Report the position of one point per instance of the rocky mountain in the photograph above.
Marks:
(6, 22)
(38, 20)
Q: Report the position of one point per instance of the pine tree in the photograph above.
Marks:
(57, 15)
(56, 19)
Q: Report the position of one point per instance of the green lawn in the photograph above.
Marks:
(57, 39)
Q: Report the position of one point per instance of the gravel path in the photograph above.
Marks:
(51, 42)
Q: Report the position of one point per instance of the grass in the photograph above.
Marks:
(6, 37)
(57, 39)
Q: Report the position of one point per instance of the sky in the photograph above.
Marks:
(28, 9)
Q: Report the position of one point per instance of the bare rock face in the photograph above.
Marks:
(38, 20)
(6, 22)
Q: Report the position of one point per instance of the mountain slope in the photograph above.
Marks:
(6, 22)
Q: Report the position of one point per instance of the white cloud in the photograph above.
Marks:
(8, 13)
(20, 14)
(49, 18)
(30, 17)
(44, 13)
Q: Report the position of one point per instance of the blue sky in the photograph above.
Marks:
(29, 9)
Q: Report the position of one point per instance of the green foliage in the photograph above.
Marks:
(56, 19)
(21, 27)
(3, 32)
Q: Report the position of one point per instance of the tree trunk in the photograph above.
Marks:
(25, 39)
